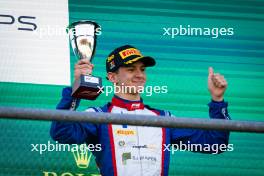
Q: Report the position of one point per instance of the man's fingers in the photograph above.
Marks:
(79, 72)
(87, 66)
(83, 67)
(210, 72)
(219, 80)
(83, 61)
(86, 72)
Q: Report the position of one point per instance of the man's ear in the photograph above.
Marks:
(112, 77)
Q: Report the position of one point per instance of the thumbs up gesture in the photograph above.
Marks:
(216, 85)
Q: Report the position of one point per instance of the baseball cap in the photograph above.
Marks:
(126, 55)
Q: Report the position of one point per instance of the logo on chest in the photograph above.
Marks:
(125, 132)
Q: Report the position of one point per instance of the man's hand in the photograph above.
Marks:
(82, 67)
(216, 85)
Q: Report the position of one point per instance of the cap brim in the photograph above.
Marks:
(147, 61)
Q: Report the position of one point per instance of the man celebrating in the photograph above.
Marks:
(136, 150)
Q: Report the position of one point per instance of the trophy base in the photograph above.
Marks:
(87, 87)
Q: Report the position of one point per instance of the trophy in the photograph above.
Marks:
(82, 36)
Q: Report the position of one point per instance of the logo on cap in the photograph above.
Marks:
(112, 64)
(110, 58)
(129, 52)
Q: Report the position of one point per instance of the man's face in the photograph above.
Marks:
(132, 75)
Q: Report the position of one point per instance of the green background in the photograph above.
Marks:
(182, 65)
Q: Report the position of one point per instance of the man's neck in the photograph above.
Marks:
(131, 97)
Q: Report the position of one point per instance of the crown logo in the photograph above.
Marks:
(82, 156)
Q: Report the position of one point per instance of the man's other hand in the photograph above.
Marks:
(216, 85)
